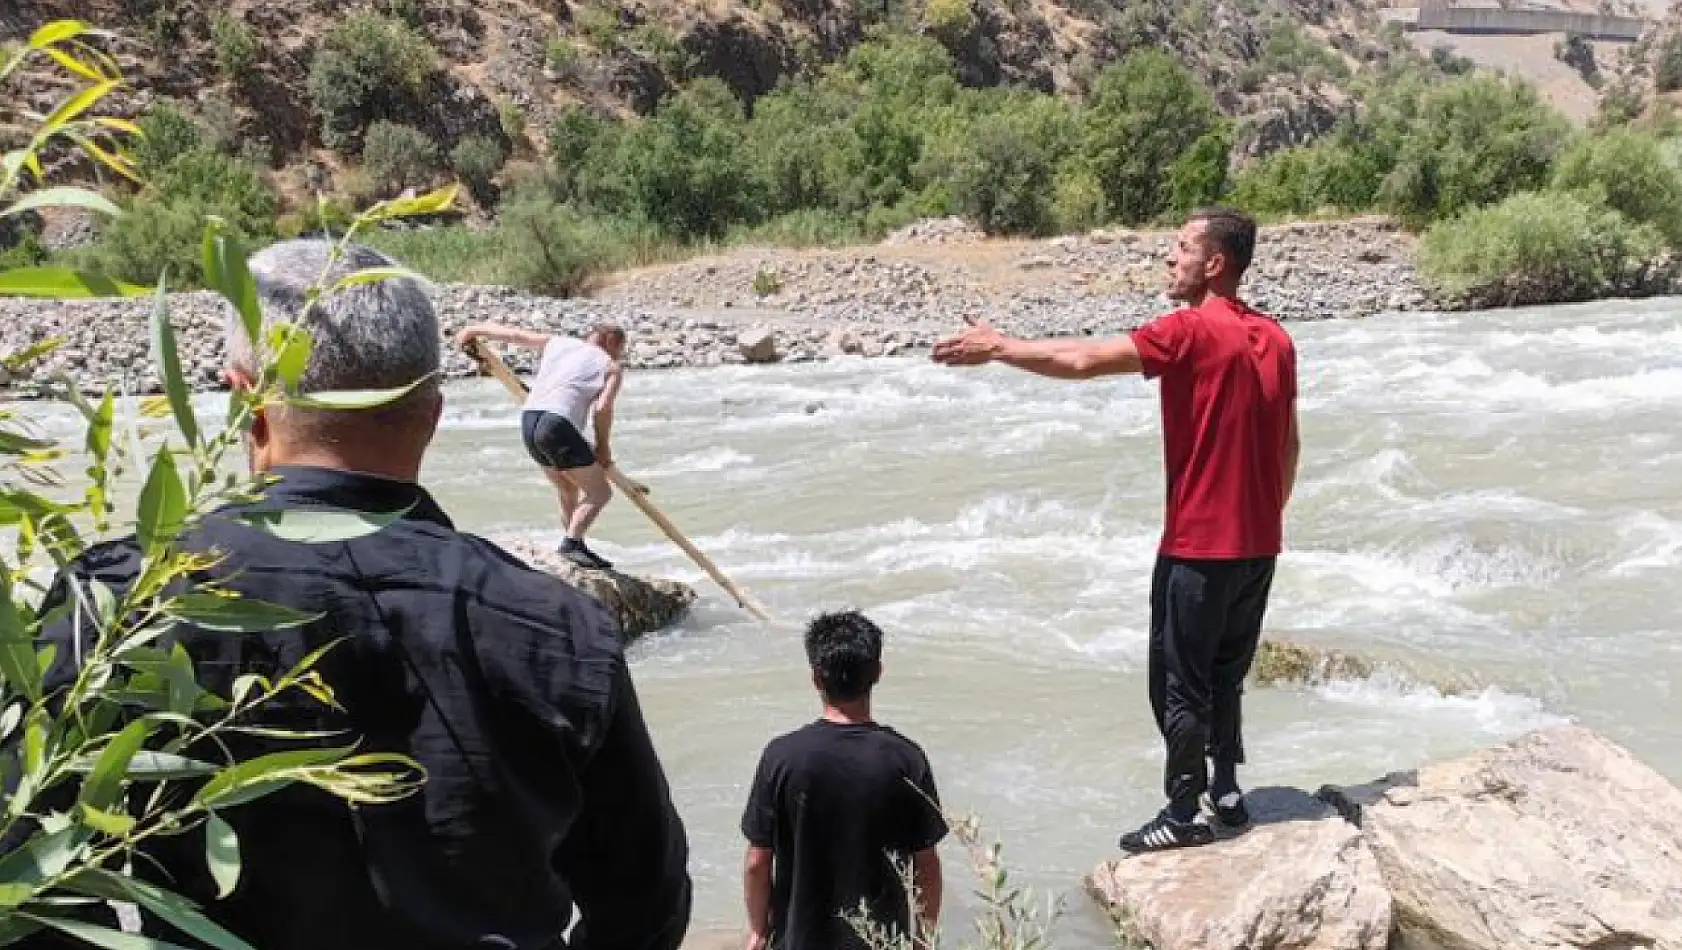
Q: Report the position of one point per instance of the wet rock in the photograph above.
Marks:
(641, 605)
(758, 345)
(1559, 839)
(1300, 877)
(1280, 663)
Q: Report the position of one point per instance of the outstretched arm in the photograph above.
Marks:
(499, 333)
(1059, 359)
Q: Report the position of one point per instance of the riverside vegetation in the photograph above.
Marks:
(1514, 205)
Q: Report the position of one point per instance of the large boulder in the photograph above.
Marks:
(1300, 877)
(1559, 839)
(641, 605)
(758, 345)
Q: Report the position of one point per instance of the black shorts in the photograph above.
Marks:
(553, 441)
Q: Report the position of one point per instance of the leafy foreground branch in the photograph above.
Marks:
(110, 743)
(1010, 917)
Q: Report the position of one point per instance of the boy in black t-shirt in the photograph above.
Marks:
(831, 802)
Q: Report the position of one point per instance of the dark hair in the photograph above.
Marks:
(1233, 233)
(845, 650)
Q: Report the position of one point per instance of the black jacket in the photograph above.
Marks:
(507, 684)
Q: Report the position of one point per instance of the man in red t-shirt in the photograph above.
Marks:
(1229, 430)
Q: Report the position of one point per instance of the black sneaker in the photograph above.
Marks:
(1229, 809)
(575, 551)
(1163, 834)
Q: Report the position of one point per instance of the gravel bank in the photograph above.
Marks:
(890, 299)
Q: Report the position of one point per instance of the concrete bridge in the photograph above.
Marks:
(1441, 15)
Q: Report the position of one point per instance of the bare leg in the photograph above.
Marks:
(567, 492)
(595, 492)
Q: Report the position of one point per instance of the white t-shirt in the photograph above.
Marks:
(569, 378)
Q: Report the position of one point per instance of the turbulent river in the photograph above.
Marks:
(1484, 508)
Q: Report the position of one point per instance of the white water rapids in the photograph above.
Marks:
(1486, 499)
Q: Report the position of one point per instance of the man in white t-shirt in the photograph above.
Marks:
(574, 390)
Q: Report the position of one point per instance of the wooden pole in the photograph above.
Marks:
(492, 364)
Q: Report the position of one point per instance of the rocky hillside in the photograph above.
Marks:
(505, 68)
(1650, 72)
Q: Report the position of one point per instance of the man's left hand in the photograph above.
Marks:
(978, 343)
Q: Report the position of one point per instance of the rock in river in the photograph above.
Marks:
(641, 605)
(1300, 877)
(1559, 839)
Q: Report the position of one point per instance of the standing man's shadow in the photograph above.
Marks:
(1276, 805)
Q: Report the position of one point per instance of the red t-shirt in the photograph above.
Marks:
(1229, 387)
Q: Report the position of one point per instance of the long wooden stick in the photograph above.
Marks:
(491, 363)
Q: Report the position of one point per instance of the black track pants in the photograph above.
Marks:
(1206, 619)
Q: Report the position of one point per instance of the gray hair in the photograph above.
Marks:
(379, 335)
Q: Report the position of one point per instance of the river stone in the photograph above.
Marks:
(1299, 877)
(641, 605)
(757, 345)
(1559, 839)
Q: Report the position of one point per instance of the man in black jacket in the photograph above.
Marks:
(546, 820)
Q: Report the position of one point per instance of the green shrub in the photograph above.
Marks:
(1198, 176)
(512, 119)
(152, 238)
(1004, 179)
(1144, 113)
(662, 44)
(551, 249)
(1628, 169)
(562, 57)
(330, 216)
(232, 188)
(1667, 64)
(164, 229)
(1621, 102)
(366, 64)
(234, 43)
(1471, 142)
(599, 25)
(684, 167)
(1327, 175)
(948, 19)
(1567, 244)
(477, 159)
(1077, 200)
(1288, 50)
(584, 154)
(168, 133)
(398, 157)
(219, 121)
(25, 251)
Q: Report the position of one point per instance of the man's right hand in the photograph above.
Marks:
(757, 941)
(465, 339)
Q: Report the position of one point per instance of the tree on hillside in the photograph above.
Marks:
(1144, 114)
(1469, 142)
(685, 167)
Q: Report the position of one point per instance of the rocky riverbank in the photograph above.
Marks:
(1559, 839)
(757, 305)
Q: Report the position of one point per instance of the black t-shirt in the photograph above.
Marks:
(832, 801)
